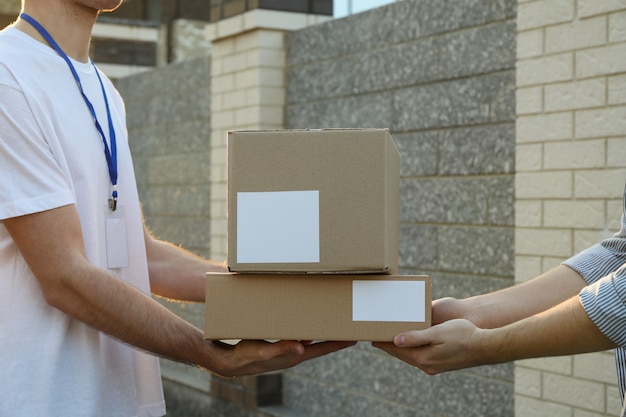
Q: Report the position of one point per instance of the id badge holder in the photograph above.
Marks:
(116, 237)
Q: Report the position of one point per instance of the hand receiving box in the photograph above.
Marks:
(315, 306)
(315, 201)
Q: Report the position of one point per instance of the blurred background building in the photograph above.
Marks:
(143, 34)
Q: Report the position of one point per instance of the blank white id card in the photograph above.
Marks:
(116, 238)
(392, 301)
(278, 227)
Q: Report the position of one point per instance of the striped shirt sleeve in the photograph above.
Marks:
(603, 258)
(603, 267)
(605, 303)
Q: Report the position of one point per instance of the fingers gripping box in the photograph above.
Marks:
(316, 201)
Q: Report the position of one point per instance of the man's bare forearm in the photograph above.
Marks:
(175, 272)
(51, 243)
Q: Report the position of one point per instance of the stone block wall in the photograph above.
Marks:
(441, 77)
(169, 120)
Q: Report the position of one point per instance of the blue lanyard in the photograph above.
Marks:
(110, 155)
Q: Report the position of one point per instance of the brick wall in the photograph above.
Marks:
(571, 167)
(248, 90)
(169, 118)
(440, 76)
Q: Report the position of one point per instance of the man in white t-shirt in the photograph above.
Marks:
(76, 263)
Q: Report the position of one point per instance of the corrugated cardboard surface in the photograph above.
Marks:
(297, 307)
(357, 174)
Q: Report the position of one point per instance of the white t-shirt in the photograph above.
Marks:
(51, 155)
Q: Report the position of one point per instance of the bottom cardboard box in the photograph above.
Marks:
(315, 307)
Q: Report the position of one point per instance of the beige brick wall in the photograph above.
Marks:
(248, 55)
(571, 168)
(248, 93)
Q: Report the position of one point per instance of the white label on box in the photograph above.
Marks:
(278, 227)
(388, 301)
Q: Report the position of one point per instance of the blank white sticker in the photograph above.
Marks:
(278, 227)
(397, 301)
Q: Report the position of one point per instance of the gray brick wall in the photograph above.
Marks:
(169, 124)
(440, 75)
(169, 119)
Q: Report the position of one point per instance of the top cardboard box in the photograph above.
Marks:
(316, 201)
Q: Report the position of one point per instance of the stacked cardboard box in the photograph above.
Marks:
(313, 224)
